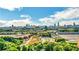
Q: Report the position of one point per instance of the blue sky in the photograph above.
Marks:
(22, 12)
(38, 15)
(34, 12)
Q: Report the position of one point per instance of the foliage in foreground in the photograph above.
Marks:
(58, 45)
(50, 46)
(10, 44)
(13, 44)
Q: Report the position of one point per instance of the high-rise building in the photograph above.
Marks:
(74, 24)
(54, 25)
(12, 26)
(58, 24)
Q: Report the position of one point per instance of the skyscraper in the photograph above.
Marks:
(74, 24)
(58, 24)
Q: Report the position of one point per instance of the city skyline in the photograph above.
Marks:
(39, 16)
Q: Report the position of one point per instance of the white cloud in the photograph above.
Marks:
(26, 16)
(10, 4)
(68, 14)
(69, 22)
(13, 4)
(47, 21)
(2, 22)
(20, 22)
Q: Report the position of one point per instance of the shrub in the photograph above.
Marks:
(60, 40)
(48, 46)
(58, 48)
(9, 46)
(24, 48)
(2, 40)
(2, 46)
(38, 47)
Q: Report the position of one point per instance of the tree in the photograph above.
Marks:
(38, 47)
(17, 41)
(67, 47)
(60, 40)
(48, 46)
(2, 46)
(10, 46)
(2, 40)
(58, 48)
(24, 48)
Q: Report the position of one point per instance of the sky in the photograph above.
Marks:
(20, 15)
(32, 14)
